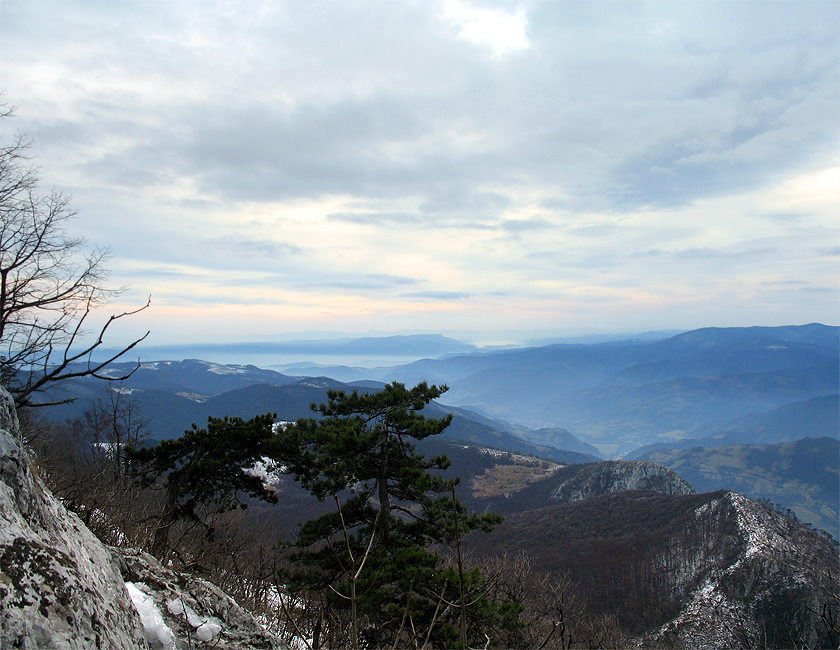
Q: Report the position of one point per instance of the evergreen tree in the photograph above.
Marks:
(204, 471)
(377, 551)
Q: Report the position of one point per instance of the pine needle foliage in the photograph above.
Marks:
(204, 471)
(383, 548)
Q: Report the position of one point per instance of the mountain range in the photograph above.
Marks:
(738, 388)
(367, 350)
(622, 395)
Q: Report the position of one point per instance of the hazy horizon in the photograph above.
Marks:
(282, 351)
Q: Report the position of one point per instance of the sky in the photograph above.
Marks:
(261, 167)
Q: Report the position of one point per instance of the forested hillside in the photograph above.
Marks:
(803, 476)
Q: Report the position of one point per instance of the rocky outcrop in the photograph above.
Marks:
(59, 586)
(62, 589)
(180, 610)
(756, 578)
(579, 482)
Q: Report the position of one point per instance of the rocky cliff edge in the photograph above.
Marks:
(61, 588)
(579, 482)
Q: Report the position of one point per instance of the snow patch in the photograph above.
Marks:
(198, 398)
(761, 536)
(267, 470)
(157, 632)
(313, 383)
(219, 369)
(278, 601)
(110, 372)
(523, 460)
(707, 603)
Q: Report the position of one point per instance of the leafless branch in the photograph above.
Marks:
(49, 284)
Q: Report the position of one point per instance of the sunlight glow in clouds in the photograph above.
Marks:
(499, 31)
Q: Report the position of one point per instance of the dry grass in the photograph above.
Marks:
(507, 479)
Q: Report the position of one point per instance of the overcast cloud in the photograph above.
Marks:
(262, 167)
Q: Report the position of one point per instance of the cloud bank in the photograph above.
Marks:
(269, 166)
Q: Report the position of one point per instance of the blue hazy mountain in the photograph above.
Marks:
(811, 418)
(173, 395)
(622, 396)
(386, 349)
(195, 376)
(617, 396)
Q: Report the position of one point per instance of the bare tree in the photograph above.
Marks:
(113, 422)
(49, 283)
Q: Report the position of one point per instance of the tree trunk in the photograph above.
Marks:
(384, 495)
(160, 541)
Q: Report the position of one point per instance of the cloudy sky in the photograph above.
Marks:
(263, 167)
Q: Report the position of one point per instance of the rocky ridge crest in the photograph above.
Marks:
(761, 580)
(579, 482)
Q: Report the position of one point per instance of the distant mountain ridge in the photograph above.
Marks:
(194, 375)
(406, 346)
(174, 395)
(557, 437)
(812, 418)
(615, 396)
(622, 396)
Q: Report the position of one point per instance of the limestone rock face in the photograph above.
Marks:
(62, 589)
(578, 482)
(188, 612)
(59, 586)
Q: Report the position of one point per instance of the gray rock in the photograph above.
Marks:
(196, 612)
(62, 589)
(578, 482)
(59, 587)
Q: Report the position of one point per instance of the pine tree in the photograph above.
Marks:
(204, 471)
(377, 551)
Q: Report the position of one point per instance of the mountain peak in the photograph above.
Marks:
(579, 482)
